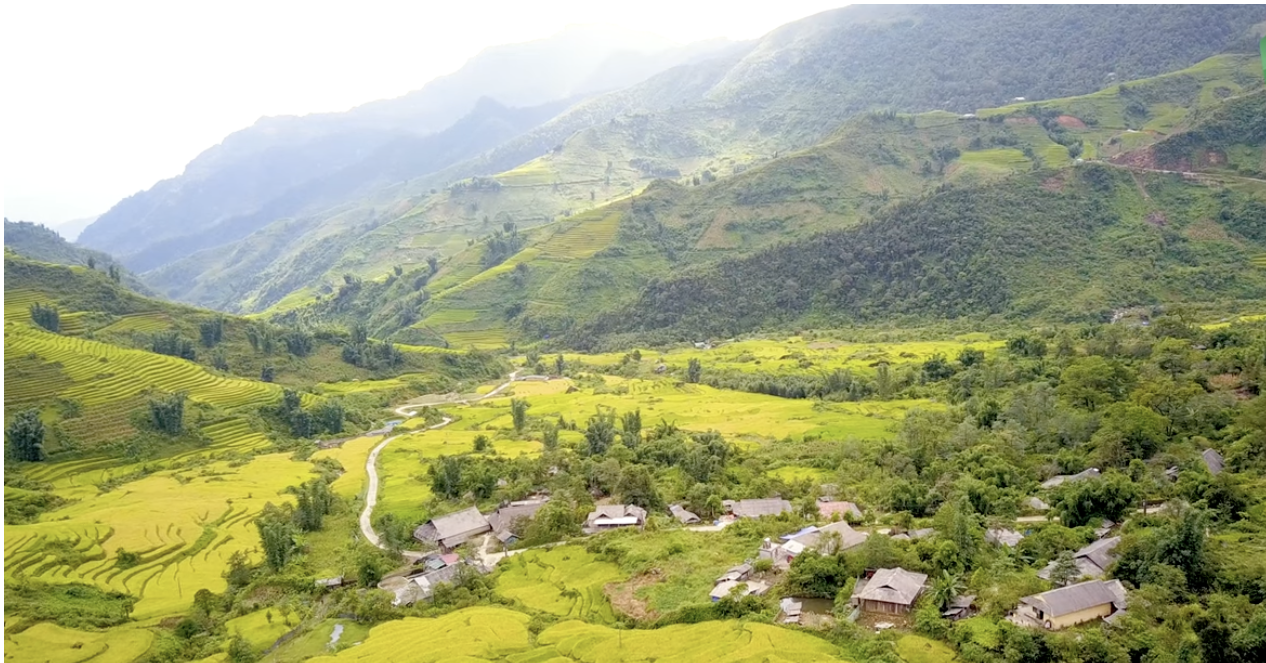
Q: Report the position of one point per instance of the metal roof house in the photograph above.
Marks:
(454, 529)
(849, 538)
(1062, 479)
(1092, 561)
(829, 508)
(508, 521)
(891, 591)
(611, 516)
(1072, 605)
(1003, 537)
(758, 508)
(683, 516)
(1214, 461)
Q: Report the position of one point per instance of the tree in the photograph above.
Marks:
(482, 444)
(694, 370)
(600, 433)
(25, 436)
(631, 425)
(212, 331)
(637, 486)
(559, 365)
(971, 357)
(115, 274)
(167, 413)
(313, 503)
(267, 373)
(433, 262)
(172, 344)
(276, 536)
(947, 587)
(446, 476)
(518, 412)
(1065, 570)
(549, 438)
(936, 368)
(46, 317)
(1091, 382)
(1129, 431)
(1082, 502)
(92, 262)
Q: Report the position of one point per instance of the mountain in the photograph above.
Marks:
(44, 244)
(740, 108)
(570, 272)
(235, 182)
(71, 229)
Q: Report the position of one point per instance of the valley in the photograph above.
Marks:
(897, 335)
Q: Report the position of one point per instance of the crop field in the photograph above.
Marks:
(184, 523)
(498, 634)
(262, 627)
(104, 373)
(996, 161)
(147, 323)
(798, 355)
(316, 642)
(582, 237)
(351, 455)
(49, 643)
(566, 581)
(916, 649)
(489, 634)
(699, 407)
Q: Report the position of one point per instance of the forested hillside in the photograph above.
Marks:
(713, 118)
(41, 243)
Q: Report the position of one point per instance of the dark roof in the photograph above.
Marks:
(1073, 598)
(849, 537)
(1213, 460)
(616, 511)
(502, 520)
(1064, 478)
(758, 508)
(452, 525)
(897, 586)
(680, 513)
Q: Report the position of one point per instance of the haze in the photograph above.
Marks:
(105, 99)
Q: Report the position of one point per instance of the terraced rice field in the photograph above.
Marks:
(587, 235)
(497, 634)
(105, 374)
(1258, 261)
(997, 161)
(49, 643)
(263, 627)
(147, 323)
(185, 523)
(566, 581)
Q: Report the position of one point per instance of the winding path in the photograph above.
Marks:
(371, 463)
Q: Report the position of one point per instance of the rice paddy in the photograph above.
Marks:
(49, 643)
(497, 634)
(916, 649)
(566, 581)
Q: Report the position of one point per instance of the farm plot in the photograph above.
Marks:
(489, 634)
(566, 581)
(716, 642)
(47, 642)
(105, 373)
(184, 524)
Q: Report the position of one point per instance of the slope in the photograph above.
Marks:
(42, 243)
(715, 119)
(574, 268)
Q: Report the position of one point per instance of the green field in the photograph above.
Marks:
(497, 634)
(916, 649)
(49, 643)
(566, 581)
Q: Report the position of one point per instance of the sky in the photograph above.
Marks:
(104, 99)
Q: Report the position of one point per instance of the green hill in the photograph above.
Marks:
(572, 270)
(709, 119)
(39, 242)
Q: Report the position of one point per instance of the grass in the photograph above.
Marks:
(670, 569)
(566, 581)
(916, 649)
(792, 473)
(316, 642)
(984, 631)
(1001, 160)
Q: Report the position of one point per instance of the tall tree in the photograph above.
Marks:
(518, 412)
(25, 436)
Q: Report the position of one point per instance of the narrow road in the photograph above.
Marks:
(371, 464)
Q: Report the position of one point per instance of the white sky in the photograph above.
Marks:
(103, 99)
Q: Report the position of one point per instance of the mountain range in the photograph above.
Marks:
(700, 157)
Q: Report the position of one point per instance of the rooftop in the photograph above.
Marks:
(892, 586)
(1075, 598)
(759, 508)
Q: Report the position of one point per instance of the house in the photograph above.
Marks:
(611, 516)
(452, 530)
(740, 572)
(1104, 528)
(330, 583)
(1092, 561)
(1068, 606)
(1214, 461)
(889, 591)
(748, 588)
(849, 538)
(509, 522)
(1060, 480)
(791, 610)
(914, 534)
(1037, 504)
(775, 553)
(961, 607)
(757, 508)
(683, 516)
(828, 508)
(1003, 537)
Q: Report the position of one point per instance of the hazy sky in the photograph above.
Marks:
(103, 99)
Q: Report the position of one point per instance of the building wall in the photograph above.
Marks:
(881, 606)
(1080, 617)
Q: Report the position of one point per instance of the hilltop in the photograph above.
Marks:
(44, 244)
(712, 118)
(570, 271)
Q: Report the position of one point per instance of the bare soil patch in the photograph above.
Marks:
(623, 595)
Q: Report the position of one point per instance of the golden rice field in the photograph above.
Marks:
(540, 579)
(185, 523)
(497, 634)
(800, 355)
(49, 643)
